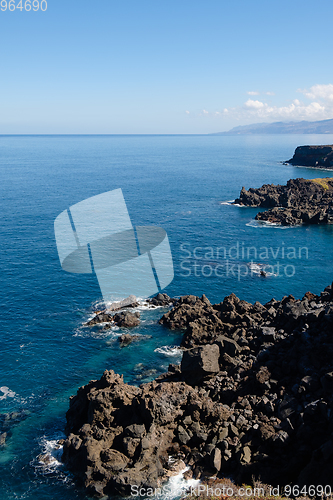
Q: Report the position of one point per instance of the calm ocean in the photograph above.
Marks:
(176, 182)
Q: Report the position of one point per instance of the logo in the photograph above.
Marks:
(96, 236)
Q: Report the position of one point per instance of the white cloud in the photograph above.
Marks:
(255, 92)
(187, 112)
(319, 92)
(296, 110)
(320, 107)
(251, 104)
(317, 104)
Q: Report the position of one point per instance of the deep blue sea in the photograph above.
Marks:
(175, 182)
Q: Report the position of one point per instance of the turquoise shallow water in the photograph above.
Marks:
(176, 182)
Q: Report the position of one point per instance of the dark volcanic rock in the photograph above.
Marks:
(123, 319)
(200, 362)
(161, 299)
(201, 321)
(313, 156)
(127, 319)
(301, 201)
(120, 435)
(100, 317)
(252, 397)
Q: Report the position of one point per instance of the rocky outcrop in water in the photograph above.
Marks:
(161, 300)
(125, 318)
(126, 338)
(313, 156)
(252, 397)
(300, 201)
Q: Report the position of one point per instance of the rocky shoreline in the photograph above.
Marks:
(252, 397)
(118, 314)
(300, 201)
(313, 156)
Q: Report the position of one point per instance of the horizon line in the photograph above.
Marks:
(101, 134)
(216, 134)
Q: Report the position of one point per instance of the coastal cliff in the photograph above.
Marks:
(313, 156)
(252, 397)
(300, 201)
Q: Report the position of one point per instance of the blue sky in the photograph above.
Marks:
(182, 66)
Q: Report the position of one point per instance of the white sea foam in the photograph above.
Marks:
(256, 224)
(48, 462)
(146, 306)
(113, 331)
(228, 202)
(7, 393)
(50, 458)
(143, 305)
(256, 268)
(169, 350)
(232, 202)
(177, 485)
(259, 268)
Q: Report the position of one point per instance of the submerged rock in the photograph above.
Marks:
(3, 437)
(127, 338)
(7, 422)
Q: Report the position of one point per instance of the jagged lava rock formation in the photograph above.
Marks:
(300, 201)
(313, 156)
(253, 396)
(126, 319)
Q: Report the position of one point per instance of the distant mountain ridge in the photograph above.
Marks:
(302, 127)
